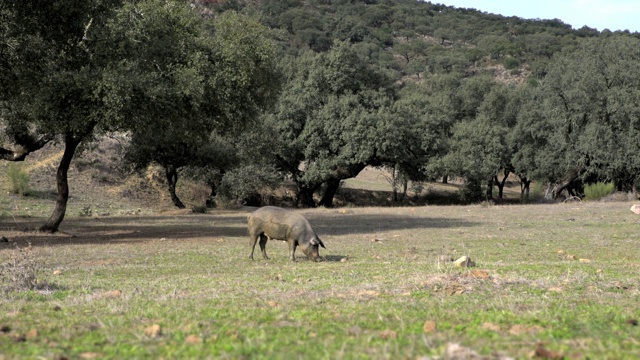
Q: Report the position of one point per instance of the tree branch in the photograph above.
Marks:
(22, 150)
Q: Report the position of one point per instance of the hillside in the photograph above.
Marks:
(405, 37)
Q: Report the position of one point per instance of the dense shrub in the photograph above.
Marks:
(242, 186)
(511, 63)
(598, 190)
(21, 272)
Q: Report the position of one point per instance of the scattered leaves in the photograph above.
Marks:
(153, 331)
(520, 329)
(112, 294)
(480, 274)
(90, 355)
(429, 326)
(388, 334)
(272, 303)
(57, 272)
(193, 340)
(491, 326)
(543, 353)
(456, 351)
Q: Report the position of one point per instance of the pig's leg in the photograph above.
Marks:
(253, 239)
(263, 246)
(292, 250)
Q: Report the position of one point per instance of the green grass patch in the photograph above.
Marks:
(181, 286)
(18, 179)
(598, 190)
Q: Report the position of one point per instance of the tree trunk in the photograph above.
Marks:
(330, 192)
(172, 180)
(305, 195)
(489, 193)
(524, 188)
(501, 183)
(445, 179)
(565, 183)
(62, 182)
(405, 187)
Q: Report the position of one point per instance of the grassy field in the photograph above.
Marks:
(551, 281)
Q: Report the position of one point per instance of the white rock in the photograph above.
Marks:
(464, 261)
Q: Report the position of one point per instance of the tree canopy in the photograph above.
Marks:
(314, 91)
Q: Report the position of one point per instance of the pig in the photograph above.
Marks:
(274, 223)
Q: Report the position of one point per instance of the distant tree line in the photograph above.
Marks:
(241, 94)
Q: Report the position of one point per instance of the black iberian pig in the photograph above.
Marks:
(270, 222)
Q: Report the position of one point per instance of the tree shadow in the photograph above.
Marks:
(334, 258)
(114, 230)
(368, 223)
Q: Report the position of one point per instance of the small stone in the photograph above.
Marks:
(635, 209)
(586, 261)
(464, 261)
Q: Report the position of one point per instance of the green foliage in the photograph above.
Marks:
(598, 190)
(245, 184)
(510, 63)
(587, 110)
(19, 179)
(85, 211)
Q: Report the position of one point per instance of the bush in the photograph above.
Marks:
(19, 179)
(21, 272)
(471, 192)
(242, 186)
(511, 63)
(598, 190)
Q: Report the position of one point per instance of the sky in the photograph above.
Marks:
(597, 14)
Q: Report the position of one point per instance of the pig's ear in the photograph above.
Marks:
(317, 241)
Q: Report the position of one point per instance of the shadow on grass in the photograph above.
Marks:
(111, 230)
(334, 258)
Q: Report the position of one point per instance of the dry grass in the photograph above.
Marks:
(386, 274)
(139, 279)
